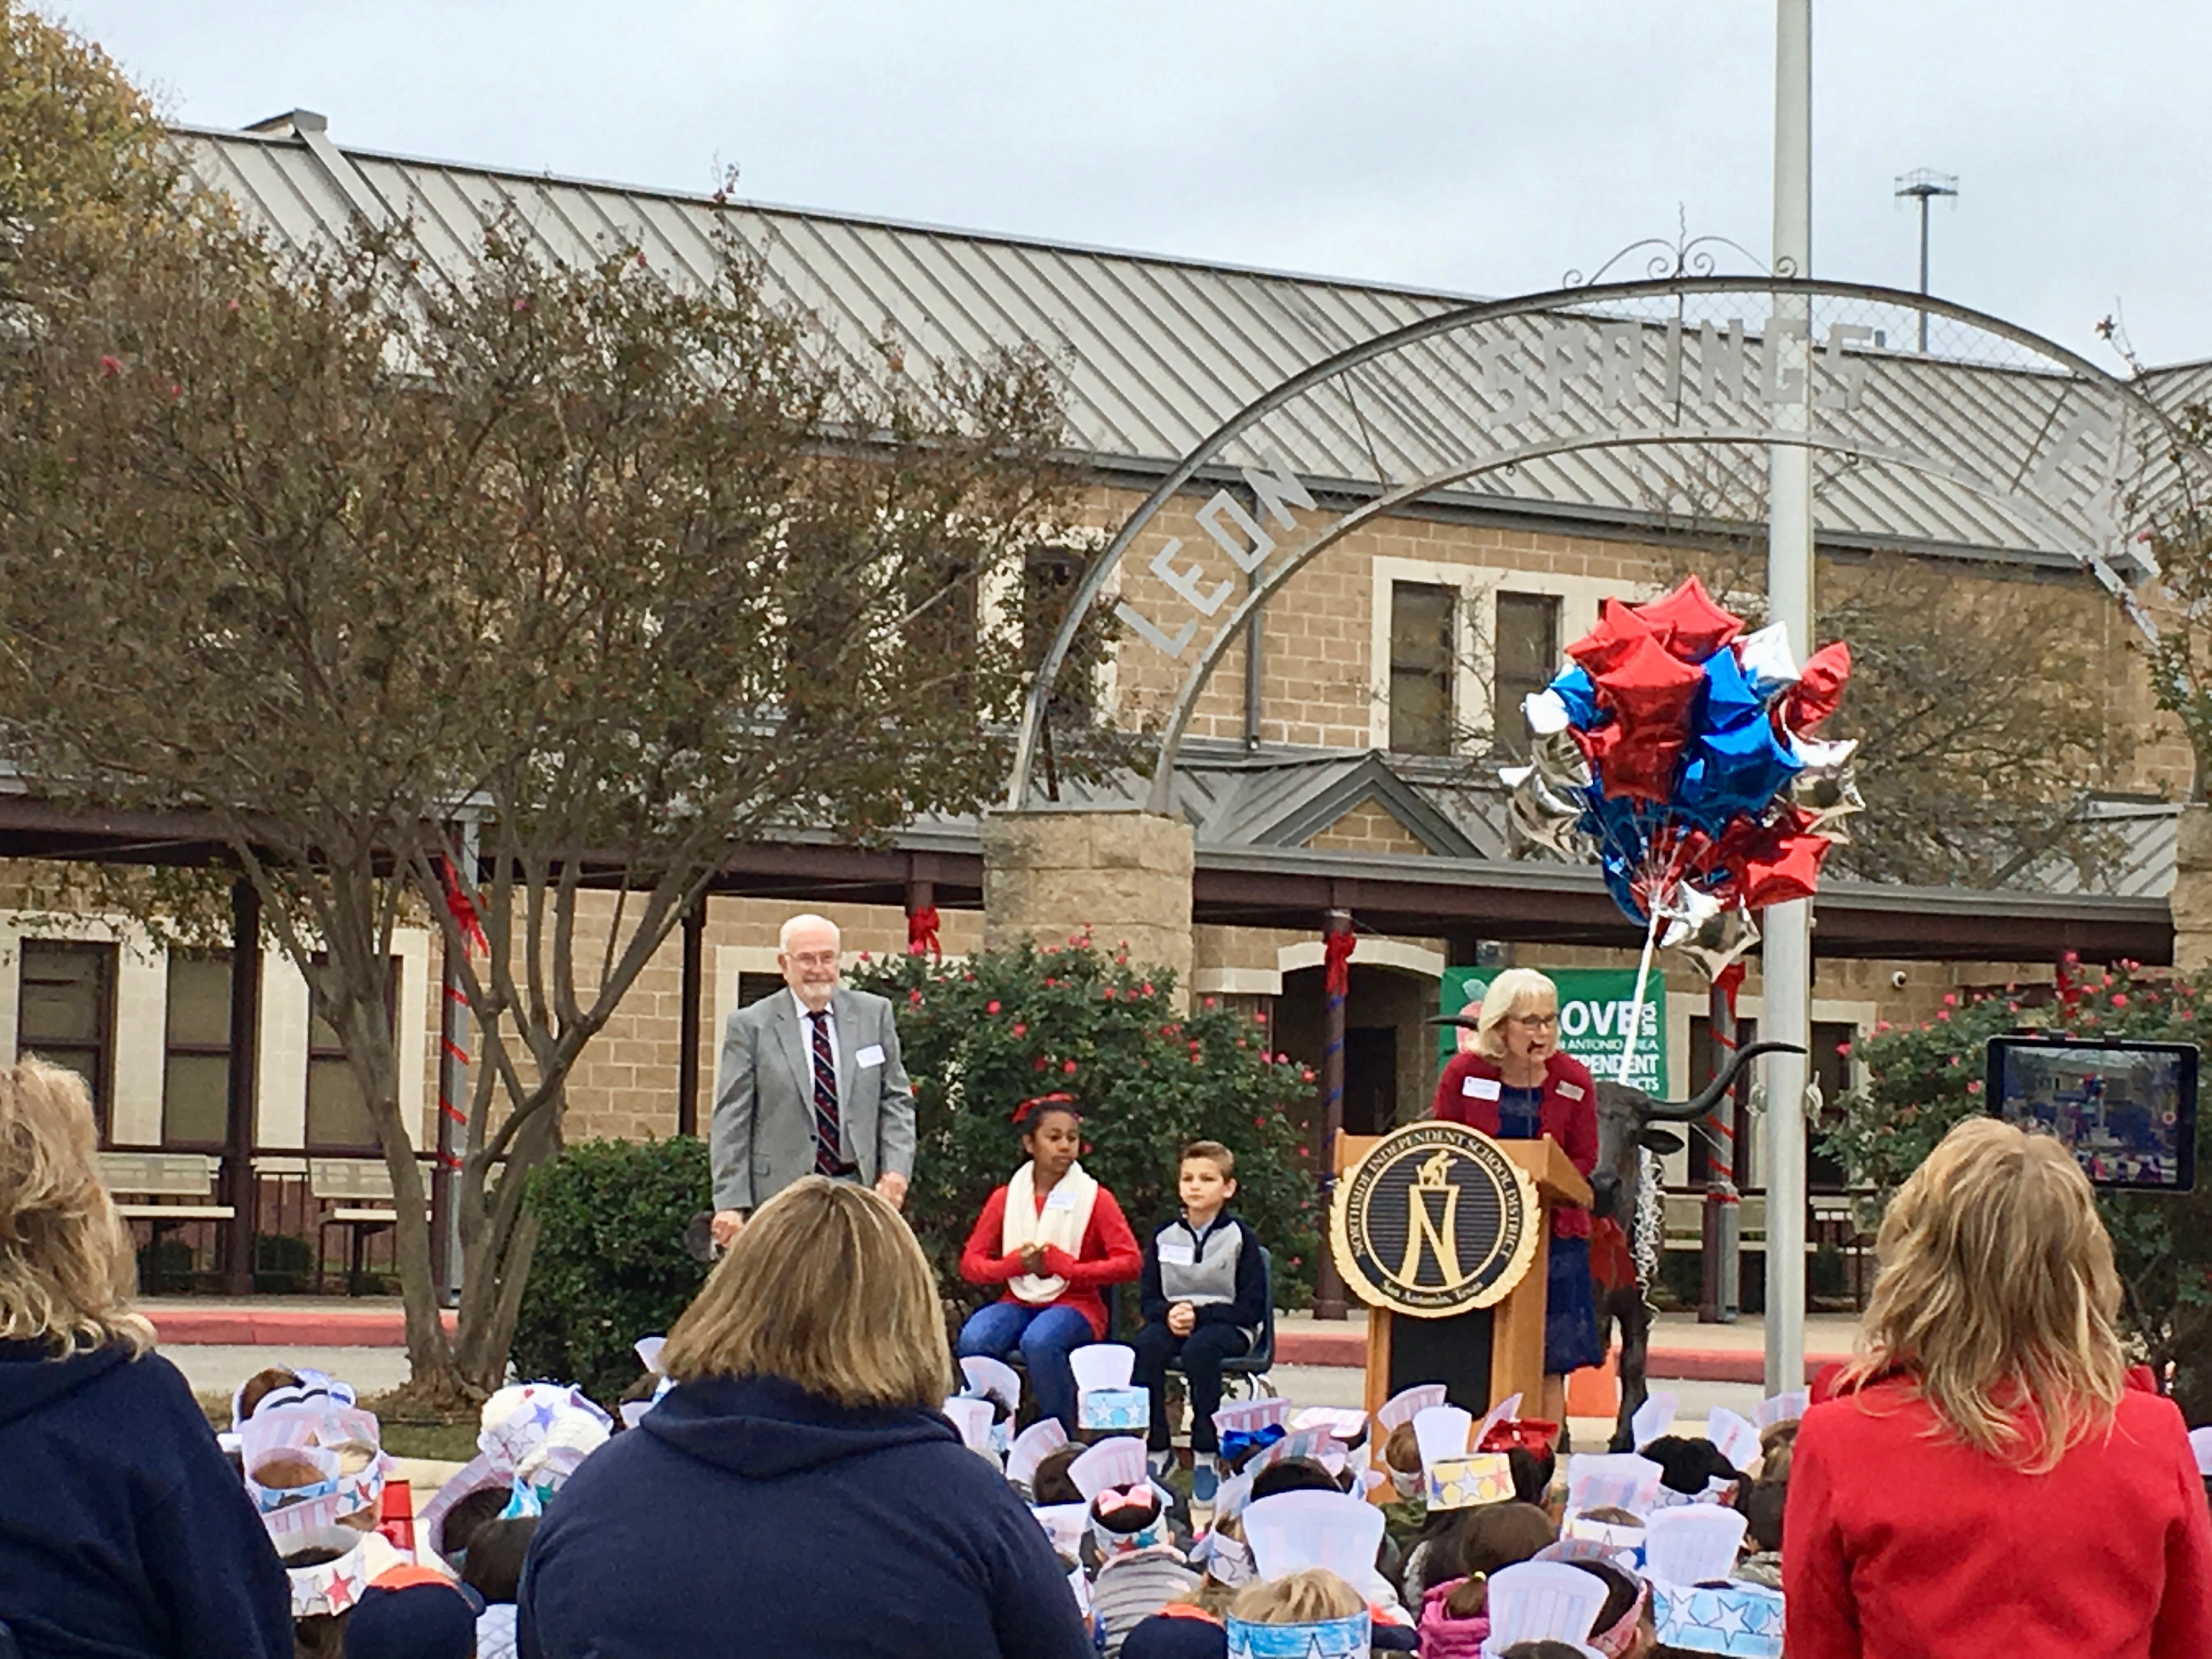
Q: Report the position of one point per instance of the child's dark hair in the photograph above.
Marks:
(494, 1568)
(1033, 1112)
(462, 1521)
(1125, 1519)
(1762, 1503)
(321, 1635)
(1052, 1484)
(1531, 1475)
(1491, 1537)
(1621, 1593)
(1214, 1153)
(1292, 1475)
(1544, 1648)
(1685, 1464)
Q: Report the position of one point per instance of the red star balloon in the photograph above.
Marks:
(1648, 687)
(1819, 688)
(1640, 765)
(1792, 871)
(1690, 624)
(1619, 629)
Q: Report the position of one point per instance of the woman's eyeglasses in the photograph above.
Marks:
(1537, 1021)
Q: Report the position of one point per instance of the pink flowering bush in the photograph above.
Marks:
(979, 1037)
(1922, 1078)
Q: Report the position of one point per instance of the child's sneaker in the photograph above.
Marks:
(1160, 1464)
(1205, 1480)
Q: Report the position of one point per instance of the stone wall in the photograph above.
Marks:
(1123, 877)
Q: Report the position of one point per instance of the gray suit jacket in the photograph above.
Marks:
(762, 1137)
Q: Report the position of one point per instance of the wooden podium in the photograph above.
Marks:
(1512, 1332)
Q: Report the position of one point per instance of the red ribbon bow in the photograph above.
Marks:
(921, 933)
(1022, 1112)
(462, 909)
(1336, 960)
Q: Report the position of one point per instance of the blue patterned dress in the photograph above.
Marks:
(1570, 1304)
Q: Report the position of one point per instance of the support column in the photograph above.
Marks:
(1788, 954)
(240, 1190)
(1118, 875)
(1328, 1285)
(687, 1017)
(2192, 890)
(1722, 1260)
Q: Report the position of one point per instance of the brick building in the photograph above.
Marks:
(1345, 738)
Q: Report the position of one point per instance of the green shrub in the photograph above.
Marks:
(1923, 1079)
(283, 1264)
(165, 1264)
(982, 1036)
(609, 1264)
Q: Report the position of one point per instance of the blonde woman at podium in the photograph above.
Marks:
(1515, 1085)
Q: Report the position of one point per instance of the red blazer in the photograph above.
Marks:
(1569, 1117)
(1107, 1256)
(1900, 1545)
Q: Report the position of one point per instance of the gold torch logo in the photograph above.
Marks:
(1432, 1226)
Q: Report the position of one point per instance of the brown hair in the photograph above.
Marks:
(1491, 1537)
(826, 1288)
(1214, 1153)
(1297, 1598)
(1997, 1295)
(1402, 1450)
(67, 1270)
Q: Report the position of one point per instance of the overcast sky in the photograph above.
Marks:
(1479, 146)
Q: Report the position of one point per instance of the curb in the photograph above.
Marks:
(296, 1327)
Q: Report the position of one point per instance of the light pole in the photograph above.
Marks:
(1924, 185)
(1787, 953)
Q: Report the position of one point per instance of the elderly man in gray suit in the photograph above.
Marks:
(809, 1084)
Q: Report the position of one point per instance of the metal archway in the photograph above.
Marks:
(2014, 433)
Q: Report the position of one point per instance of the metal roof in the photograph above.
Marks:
(1155, 351)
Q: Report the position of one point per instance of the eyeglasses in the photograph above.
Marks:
(813, 958)
(1539, 1021)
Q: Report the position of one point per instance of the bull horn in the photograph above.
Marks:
(1681, 1111)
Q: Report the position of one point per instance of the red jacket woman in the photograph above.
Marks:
(1986, 1483)
(1470, 1092)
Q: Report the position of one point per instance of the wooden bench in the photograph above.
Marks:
(354, 1185)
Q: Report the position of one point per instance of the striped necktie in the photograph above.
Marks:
(829, 1144)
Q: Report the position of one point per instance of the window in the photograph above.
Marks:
(751, 988)
(942, 632)
(65, 1012)
(1421, 623)
(196, 1075)
(1526, 657)
(338, 1115)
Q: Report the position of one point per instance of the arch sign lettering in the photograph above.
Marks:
(1628, 399)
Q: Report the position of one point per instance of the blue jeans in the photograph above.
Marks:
(1044, 1336)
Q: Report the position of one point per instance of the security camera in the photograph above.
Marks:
(1897, 979)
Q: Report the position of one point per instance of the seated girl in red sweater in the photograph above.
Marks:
(1054, 1237)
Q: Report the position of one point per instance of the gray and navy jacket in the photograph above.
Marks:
(1225, 1283)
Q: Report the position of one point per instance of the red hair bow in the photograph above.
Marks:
(1022, 1112)
(1532, 1435)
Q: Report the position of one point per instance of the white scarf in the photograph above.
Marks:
(1066, 1218)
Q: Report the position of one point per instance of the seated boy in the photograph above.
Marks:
(1203, 1293)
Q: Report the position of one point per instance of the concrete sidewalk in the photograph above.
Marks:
(1681, 1349)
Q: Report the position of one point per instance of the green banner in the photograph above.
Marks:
(1597, 1012)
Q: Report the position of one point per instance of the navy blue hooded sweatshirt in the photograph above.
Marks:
(124, 1533)
(746, 1519)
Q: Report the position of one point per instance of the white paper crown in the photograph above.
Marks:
(648, 1350)
(1294, 1530)
(1248, 1416)
(972, 1417)
(1653, 1417)
(1401, 1407)
(1230, 1497)
(2200, 1441)
(1781, 1408)
(1621, 1480)
(994, 1378)
(1349, 1638)
(1102, 1365)
(1443, 1433)
(1316, 1444)
(333, 1586)
(1743, 1621)
(1542, 1602)
(1030, 1448)
(1693, 1544)
(1347, 1424)
(1734, 1436)
(1507, 1410)
(1063, 1523)
(1117, 1462)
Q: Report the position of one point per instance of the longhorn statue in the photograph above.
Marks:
(1626, 1128)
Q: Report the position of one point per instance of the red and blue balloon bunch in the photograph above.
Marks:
(1683, 750)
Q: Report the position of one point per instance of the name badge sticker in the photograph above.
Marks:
(1480, 1088)
(1059, 1199)
(1177, 1255)
(1571, 1091)
(871, 1055)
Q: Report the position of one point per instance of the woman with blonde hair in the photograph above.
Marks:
(799, 1491)
(122, 1529)
(1987, 1481)
(1515, 1083)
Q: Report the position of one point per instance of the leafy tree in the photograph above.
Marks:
(1923, 1079)
(983, 1035)
(335, 551)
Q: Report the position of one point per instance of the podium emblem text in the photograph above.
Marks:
(1433, 1221)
